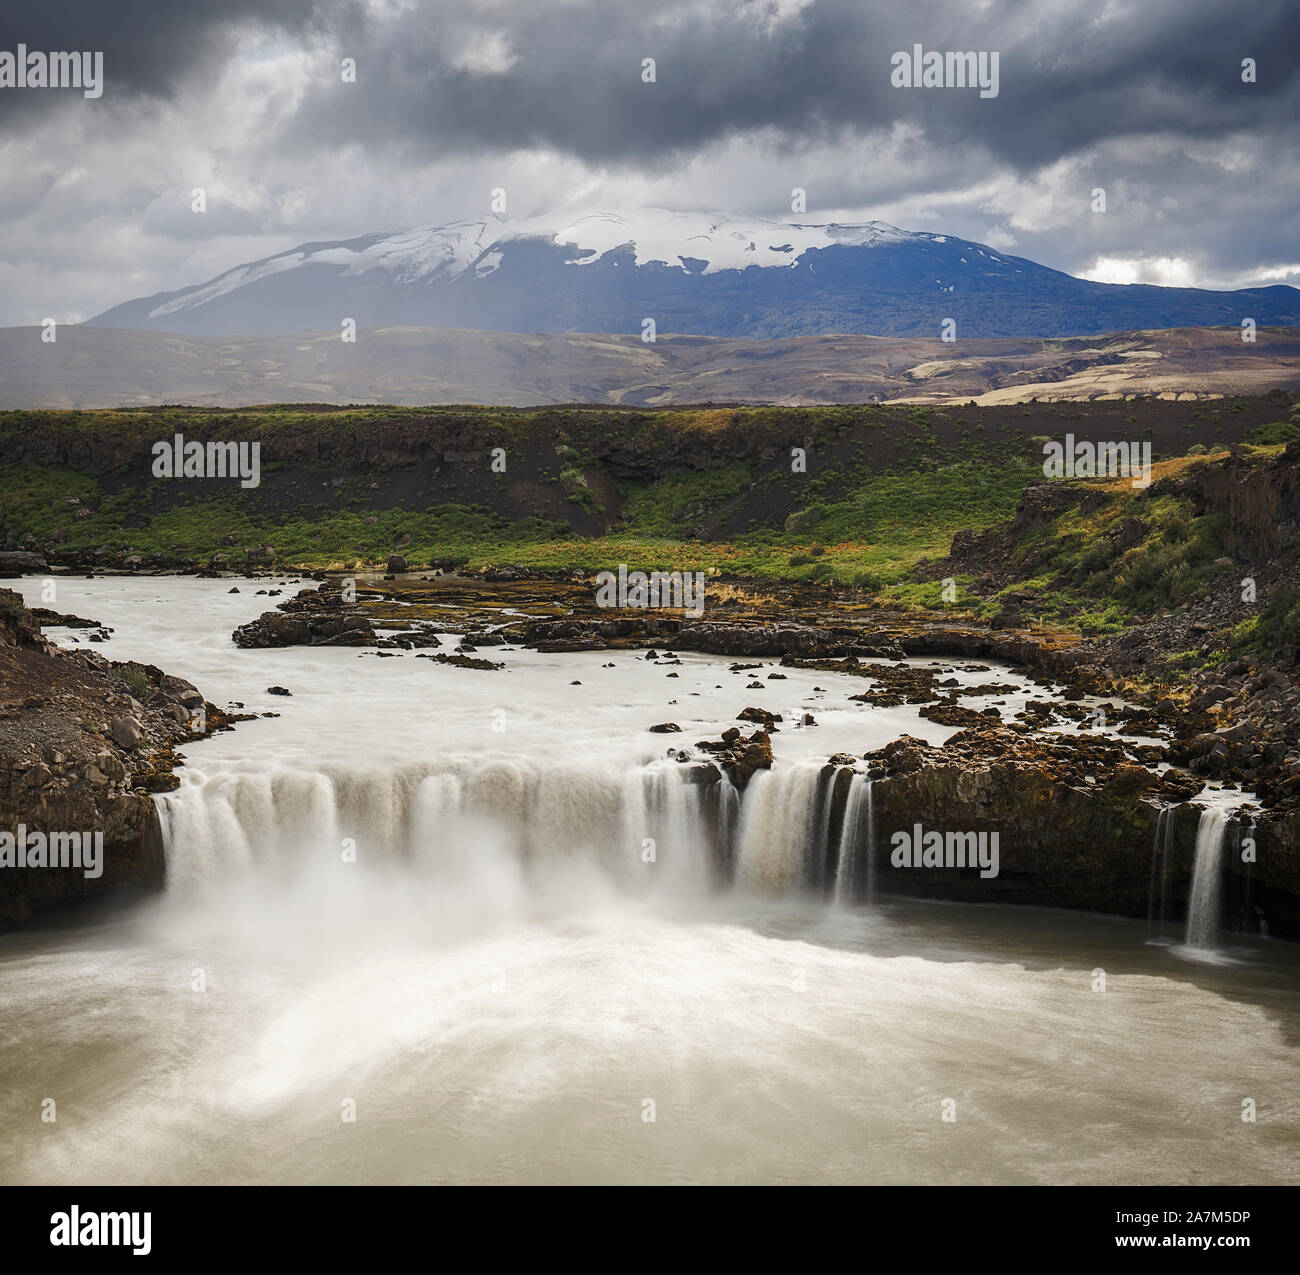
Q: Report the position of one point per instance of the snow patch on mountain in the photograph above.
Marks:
(674, 239)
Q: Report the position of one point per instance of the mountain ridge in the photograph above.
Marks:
(690, 273)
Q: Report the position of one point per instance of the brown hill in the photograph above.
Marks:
(105, 367)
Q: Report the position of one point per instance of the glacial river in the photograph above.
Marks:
(459, 926)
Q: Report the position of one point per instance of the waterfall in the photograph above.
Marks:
(1205, 907)
(484, 828)
(655, 826)
(779, 821)
(663, 828)
(857, 845)
(1160, 848)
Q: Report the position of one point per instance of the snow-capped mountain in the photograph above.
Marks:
(700, 273)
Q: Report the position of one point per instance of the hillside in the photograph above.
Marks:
(883, 487)
(91, 367)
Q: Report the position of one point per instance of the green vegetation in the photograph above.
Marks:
(1275, 626)
(858, 495)
(136, 678)
(1274, 432)
(883, 488)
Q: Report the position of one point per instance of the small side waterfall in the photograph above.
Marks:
(855, 876)
(1206, 904)
(1156, 891)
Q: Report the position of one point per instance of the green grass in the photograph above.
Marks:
(870, 528)
(883, 492)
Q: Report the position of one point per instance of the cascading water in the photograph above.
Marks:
(779, 822)
(1161, 845)
(662, 828)
(492, 971)
(1205, 906)
(448, 822)
(857, 844)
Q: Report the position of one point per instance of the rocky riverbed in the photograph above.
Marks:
(1075, 803)
(1083, 804)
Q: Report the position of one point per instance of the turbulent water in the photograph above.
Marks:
(485, 908)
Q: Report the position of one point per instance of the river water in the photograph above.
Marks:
(422, 897)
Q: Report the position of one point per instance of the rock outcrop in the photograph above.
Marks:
(83, 743)
(1076, 822)
(20, 562)
(316, 617)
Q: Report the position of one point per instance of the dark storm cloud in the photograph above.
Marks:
(151, 48)
(1070, 75)
(457, 97)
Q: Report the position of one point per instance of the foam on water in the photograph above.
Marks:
(464, 931)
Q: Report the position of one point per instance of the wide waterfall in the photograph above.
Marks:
(444, 821)
(487, 909)
(660, 828)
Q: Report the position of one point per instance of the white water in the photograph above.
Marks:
(501, 979)
(857, 843)
(776, 827)
(1160, 847)
(1205, 907)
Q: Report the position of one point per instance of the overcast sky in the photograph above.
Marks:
(545, 98)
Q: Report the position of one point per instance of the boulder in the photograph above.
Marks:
(126, 732)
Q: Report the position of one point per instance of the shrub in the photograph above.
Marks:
(1279, 622)
(1272, 433)
(802, 519)
(136, 679)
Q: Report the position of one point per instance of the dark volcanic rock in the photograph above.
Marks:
(740, 758)
(316, 617)
(18, 562)
(462, 661)
(83, 742)
(1075, 820)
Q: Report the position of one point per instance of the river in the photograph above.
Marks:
(443, 925)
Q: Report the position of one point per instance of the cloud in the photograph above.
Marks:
(154, 49)
(1165, 272)
(750, 99)
(1070, 76)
